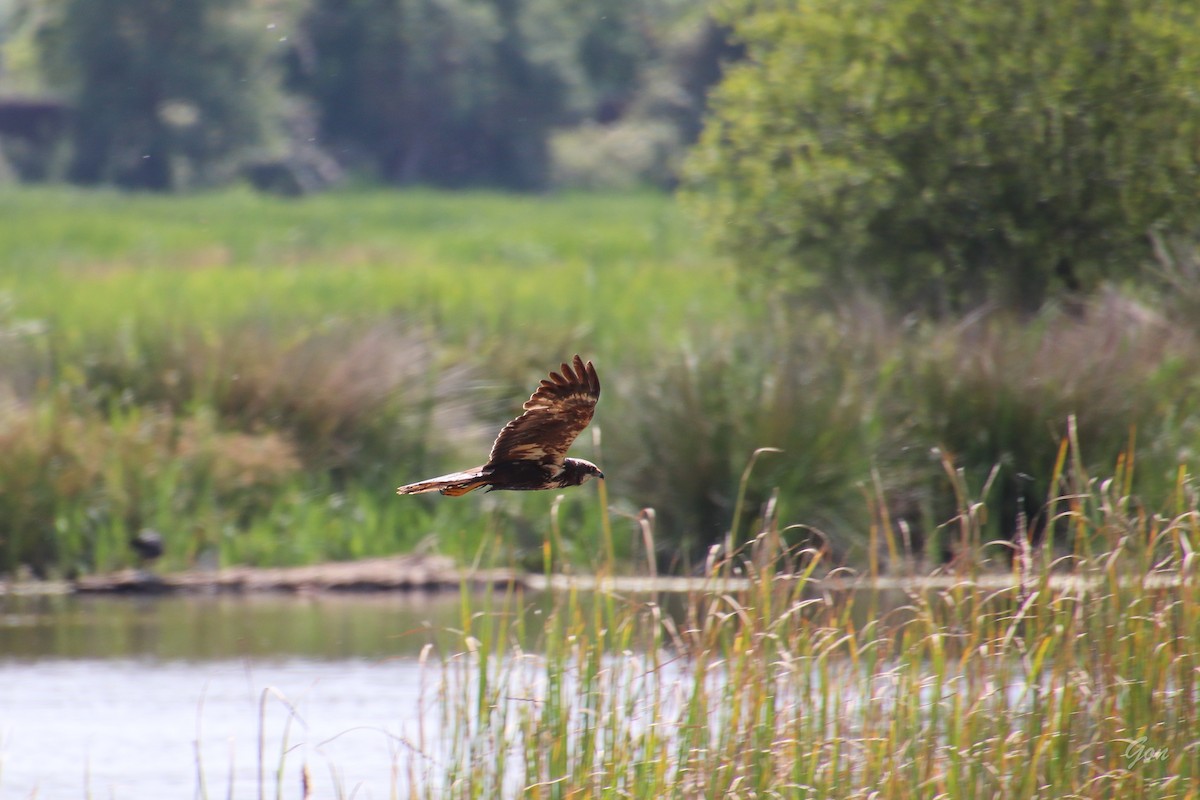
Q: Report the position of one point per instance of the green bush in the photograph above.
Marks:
(691, 421)
(944, 153)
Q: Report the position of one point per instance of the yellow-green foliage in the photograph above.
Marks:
(947, 152)
(373, 337)
(77, 484)
(348, 343)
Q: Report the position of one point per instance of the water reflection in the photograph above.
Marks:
(151, 697)
(198, 628)
(117, 728)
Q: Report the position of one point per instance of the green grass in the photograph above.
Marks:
(253, 377)
(477, 267)
(339, 323)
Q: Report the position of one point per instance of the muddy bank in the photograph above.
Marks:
(431, 573)
(394, 573)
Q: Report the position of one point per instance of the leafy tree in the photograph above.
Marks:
(441, 91)
(617, 41)
(165, 93)
(469, 91)
(952, 151)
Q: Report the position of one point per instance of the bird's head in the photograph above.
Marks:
(576, 472)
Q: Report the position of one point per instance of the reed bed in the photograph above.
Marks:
(1087, 690)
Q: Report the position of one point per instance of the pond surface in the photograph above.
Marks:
(113, 697)
(231, 696)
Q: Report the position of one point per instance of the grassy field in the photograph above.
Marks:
(253, 376)
(257, 376)
(600, 270)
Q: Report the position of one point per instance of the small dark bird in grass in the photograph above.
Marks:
(148, 544)
(531, 452)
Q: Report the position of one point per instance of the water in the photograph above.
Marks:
(237, 697)
(164, 697)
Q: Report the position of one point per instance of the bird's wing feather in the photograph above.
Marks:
(555, 414)
(443, 482)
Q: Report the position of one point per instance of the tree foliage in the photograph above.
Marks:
(947, 152)
(164, 93)
(456, 91)
(446, 92)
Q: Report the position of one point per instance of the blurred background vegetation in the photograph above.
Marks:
(920, 243)
(517, 94)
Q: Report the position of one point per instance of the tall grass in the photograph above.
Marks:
(999, 396)
(866, 407)
(1045, 689)
(352, 343)
(254, 376)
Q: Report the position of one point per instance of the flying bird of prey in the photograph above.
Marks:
(531, 451)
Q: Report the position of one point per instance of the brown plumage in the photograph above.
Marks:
(531, 451)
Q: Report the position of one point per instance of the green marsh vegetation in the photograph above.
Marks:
(253, 377)
(1075, 679)
(234, 371)
(780, 688)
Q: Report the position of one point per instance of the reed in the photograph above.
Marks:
(1041, 690)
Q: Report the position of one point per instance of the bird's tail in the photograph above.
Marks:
(454, 484)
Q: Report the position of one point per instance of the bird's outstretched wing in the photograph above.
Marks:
(555, 414)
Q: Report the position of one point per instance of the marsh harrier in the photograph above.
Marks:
(531, 452)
